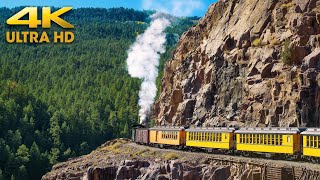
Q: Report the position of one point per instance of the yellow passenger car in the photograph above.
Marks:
(311, 142)
(213, 138)
(269, 140)
(167, 135)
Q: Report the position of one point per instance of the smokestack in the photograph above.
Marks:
(143, 61)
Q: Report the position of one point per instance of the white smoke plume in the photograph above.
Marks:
(144, 54)
(143, 61)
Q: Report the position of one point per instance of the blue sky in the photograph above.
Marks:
(176, 7)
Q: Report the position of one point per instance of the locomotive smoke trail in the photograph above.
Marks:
(144, 54)
(143, 60)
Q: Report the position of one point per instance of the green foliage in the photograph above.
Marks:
(170, 156)
(1, 175)
(256, 42)
(60, 101)
(22, 155)
(287, 54)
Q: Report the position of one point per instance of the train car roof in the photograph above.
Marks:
(270, 130)
(311, 131)
(167, 128)
(211, 129)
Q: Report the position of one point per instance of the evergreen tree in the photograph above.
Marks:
(34, 167)
(22, 155)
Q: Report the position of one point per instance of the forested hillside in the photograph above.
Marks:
(59, 101)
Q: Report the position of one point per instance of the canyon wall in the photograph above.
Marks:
(246, 63)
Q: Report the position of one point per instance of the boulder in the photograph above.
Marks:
(312, 60)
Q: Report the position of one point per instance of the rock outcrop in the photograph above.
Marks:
(246, 63)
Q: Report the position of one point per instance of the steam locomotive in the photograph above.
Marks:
(290, 142)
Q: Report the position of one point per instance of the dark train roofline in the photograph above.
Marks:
(138, 126)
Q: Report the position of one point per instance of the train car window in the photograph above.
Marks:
(205, 136)
(318, 142)
(308, 141)
(247, 139)
(315, 142)
(258, 138)
(216, 137)
(196, 136)
(312, 140)
(288, 138)
(280, 143)
(272, 139)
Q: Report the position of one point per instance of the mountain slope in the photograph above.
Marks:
(246, 63)
(59, 101)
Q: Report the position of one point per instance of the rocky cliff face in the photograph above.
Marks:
(122, 159)
(246, 63)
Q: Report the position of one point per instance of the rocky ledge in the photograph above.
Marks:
(246, 63)
(122, 159)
